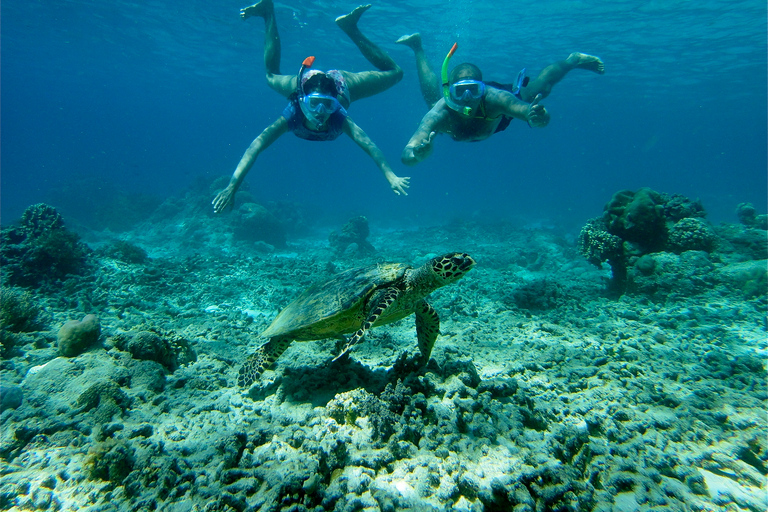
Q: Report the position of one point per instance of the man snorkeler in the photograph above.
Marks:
(318, 100)
(470, 109)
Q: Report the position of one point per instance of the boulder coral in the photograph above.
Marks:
(637, 217)
(691, 234)
(76, 336)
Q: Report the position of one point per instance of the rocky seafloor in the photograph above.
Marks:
(545, 391)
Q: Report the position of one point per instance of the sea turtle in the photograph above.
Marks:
(355, 301)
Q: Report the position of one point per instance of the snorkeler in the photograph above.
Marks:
(318, 100)
(470, 109)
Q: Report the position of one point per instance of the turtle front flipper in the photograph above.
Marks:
(427, 328)
(261, 360)
(389, 298)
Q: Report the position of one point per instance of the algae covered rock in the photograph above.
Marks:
(152, 344)
(18, 313)
(126, 252)
(10, 397)
(256, 224)
(665, 273)
(748, 216)
(751, 277)
(76, 336)
(355, 232)
(103, 400)
(112, 460)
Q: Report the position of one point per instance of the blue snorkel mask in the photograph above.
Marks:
(463, 96)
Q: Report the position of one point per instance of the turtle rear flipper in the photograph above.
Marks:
(427, 329)
(261, 360)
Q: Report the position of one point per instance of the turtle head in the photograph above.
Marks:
(451, 267)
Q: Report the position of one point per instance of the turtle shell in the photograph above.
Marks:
(336, 306)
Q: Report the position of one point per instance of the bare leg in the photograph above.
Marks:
(283, 84)
(368, 83)
(428, 81)
(553, 73)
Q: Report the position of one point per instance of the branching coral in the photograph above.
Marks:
(598, 246)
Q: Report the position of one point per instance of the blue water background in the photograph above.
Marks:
(104, 98)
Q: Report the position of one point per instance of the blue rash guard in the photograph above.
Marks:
(295, 118)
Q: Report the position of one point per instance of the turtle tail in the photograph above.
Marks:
(261, 360)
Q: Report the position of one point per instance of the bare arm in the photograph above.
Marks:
(271, 133)
(361, 138)
(500, 102)
(420, 145)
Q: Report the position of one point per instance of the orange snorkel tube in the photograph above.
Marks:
(304, 65)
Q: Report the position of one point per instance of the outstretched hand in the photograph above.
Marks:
(538, 117)
(417, 153)
(224, 199)
(399, 184)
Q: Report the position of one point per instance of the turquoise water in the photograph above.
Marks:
(107, 98)
(616, 367)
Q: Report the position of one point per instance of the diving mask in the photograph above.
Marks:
(466, 91)
(319, 103)
(463, 96)
(317, 108)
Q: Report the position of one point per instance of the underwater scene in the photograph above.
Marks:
(512, 257)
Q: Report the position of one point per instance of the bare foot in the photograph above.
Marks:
(261, 9)
(349, 21)
(412, 41)
(588, 62)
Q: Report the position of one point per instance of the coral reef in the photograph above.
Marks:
(76, 336)
(40, 249)
(542, 394)
(641, 235)
(356, 232)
